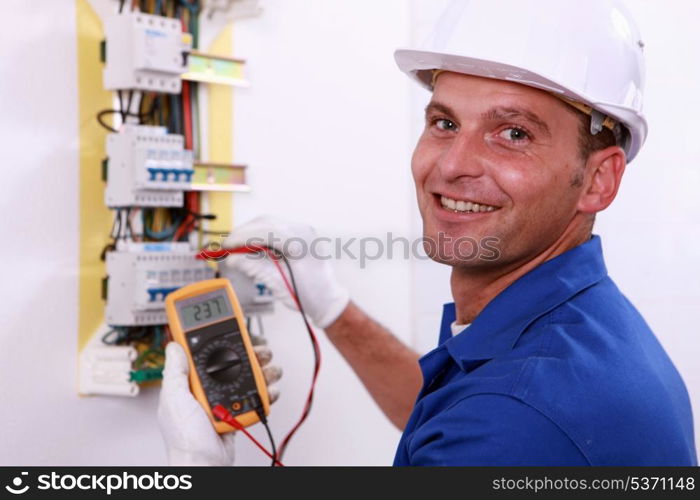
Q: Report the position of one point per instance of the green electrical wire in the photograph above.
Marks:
(146, 375)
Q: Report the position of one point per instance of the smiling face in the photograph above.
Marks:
(496, 160)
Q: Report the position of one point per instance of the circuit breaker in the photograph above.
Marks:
(140, 275)
(147, 167)
(145, 52)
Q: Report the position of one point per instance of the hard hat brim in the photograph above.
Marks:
(419, 64)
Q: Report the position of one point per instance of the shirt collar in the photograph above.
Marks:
(499, 325)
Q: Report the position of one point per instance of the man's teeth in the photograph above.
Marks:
(465, 206)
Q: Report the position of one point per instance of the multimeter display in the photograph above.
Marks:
(204, 309)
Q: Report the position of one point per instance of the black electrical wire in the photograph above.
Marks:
(106, 112)
(118, 224)
(120, 335)
(121, 5)
(263, 420)
(201, 216)
(112, 245)
(109, 247)
(103, 113)
(129, 230)
(175, 122)
(127, 111)
(121, 106)
(124, 113)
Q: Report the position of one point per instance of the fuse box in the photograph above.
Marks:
(147, 167)
(145, 52)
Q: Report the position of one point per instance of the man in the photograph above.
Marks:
(535, 112)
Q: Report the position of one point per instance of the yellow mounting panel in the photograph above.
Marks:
(95, 218)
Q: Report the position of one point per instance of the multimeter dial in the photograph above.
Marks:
(223, 366)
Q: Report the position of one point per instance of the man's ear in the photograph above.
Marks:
(604, 171)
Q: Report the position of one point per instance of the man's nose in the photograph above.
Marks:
(463, 157)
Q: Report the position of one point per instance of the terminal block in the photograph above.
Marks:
(147, 167)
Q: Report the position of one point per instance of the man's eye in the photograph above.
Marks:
(514, 134)
(445, 124)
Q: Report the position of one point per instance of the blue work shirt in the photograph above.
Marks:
(558, 369)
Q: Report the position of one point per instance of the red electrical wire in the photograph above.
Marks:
(317, 363)
(223, 414)
(187, 113)
(192, 206)
(192, 198)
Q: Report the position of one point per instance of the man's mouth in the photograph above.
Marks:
(465, 206)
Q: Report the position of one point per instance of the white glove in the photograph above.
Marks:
(190, 438)
(321, 296)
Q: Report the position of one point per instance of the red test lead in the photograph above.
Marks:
(222, 414)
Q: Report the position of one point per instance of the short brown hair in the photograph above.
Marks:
(589, 143)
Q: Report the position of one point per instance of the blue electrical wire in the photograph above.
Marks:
(165, 234)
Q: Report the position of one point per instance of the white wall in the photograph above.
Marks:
(327, 129)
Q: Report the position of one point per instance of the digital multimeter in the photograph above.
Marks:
(207, 321)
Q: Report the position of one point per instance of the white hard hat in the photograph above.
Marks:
(588, 52)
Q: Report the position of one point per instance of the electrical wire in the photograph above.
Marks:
(160, 234)
(129, 230)
(125, 334)
(187, 112)
(149, 115)
(121, 106)
(113, 244)
(103, 113)
(127, 111)
(314, 343)
(114, 226)
(120, 214)
(263, 420)
(106, 112)
(223, 414)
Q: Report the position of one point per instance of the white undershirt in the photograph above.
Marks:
(457, 328)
